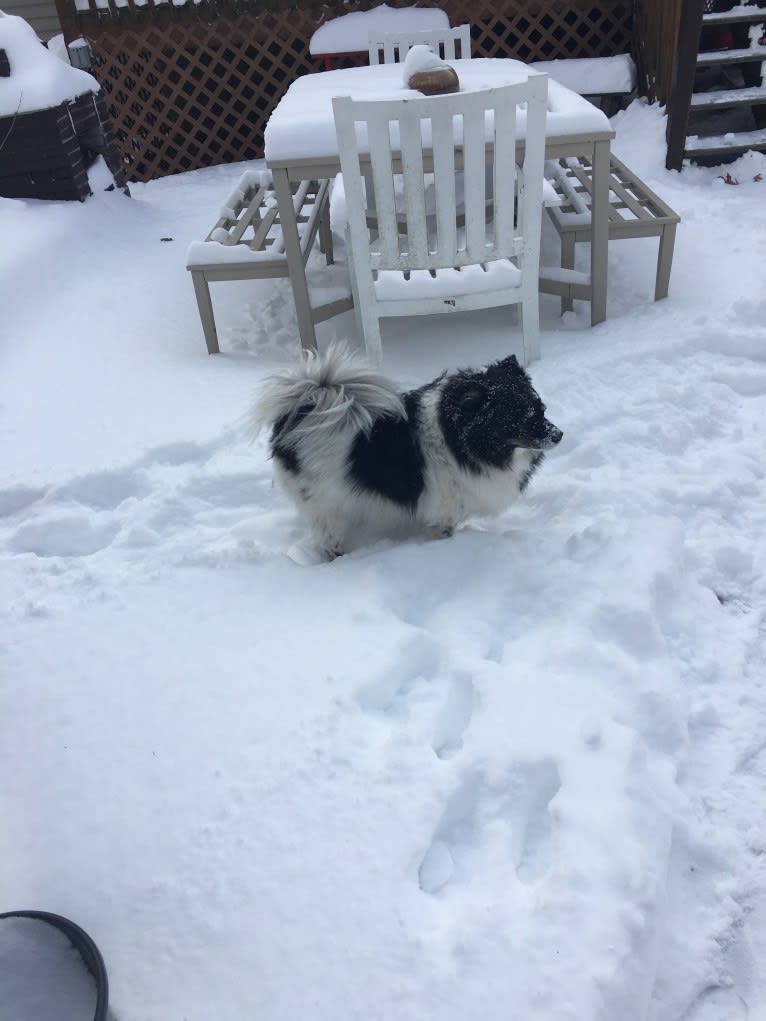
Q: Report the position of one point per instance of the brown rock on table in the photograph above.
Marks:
(435, 82)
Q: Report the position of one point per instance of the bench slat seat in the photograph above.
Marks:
(247, 243)
(634, 211)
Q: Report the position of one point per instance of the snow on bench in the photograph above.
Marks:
(593, 76)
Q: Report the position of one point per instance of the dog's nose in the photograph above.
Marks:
(554, 434)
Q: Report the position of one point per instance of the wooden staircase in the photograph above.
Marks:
(717, 108)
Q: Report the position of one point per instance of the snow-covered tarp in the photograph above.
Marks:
(39, 80)
(350, 32)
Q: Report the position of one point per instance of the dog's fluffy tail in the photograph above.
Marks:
(328, 392)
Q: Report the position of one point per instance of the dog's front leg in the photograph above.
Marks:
(442, 530)
(330, 542)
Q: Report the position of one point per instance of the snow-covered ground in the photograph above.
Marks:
(516, 774)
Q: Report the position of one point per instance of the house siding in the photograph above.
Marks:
(41, 15)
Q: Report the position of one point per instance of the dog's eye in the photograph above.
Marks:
(472, 400)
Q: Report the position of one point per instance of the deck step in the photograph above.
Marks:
(716, 57)
(737, 15)
(730, 144)
(728, 97)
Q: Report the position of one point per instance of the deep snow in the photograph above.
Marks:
(515, 774)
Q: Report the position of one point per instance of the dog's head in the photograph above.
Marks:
(487, 413)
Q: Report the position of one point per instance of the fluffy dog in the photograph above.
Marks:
(361, 460)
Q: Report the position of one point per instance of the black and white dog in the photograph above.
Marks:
(361, 460)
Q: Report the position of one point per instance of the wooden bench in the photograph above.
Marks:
(634, 212)
(247, 243)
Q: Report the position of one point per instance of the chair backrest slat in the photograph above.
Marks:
(411, 147)
(449, 43)
(504, 167)
(445, 184)
(475, 173)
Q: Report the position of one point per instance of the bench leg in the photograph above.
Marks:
(325, 233)
(599, 246)
(567, 262)
(665, 261)
(205, 305)
(294, 256)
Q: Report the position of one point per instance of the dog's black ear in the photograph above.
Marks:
(509, 364)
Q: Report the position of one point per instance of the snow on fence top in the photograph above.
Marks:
(350, 32)
(39, 80)
(592, 76)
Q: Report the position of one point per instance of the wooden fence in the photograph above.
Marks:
(191, 86)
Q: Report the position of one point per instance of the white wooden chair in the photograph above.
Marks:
(393, 47)
(468, 253)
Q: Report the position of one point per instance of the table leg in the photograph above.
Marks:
(599, 248)
(295, 266)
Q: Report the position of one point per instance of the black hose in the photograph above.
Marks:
(84, 945)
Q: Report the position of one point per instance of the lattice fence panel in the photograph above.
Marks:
(191, 87)
(545, 31)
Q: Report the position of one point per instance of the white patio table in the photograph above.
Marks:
(301, 145)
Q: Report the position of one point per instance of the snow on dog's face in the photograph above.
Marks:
(486, 414)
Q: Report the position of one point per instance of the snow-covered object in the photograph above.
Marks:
(41, 974)
(350, 32)
(58, 48)
(592, 76)
(421, 58)
(39, 80)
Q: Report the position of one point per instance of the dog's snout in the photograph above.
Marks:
(554, 435)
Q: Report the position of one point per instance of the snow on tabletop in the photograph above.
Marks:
(350, 32)
(39, 79)
(513, 774)
(591, 76)
(302, 124)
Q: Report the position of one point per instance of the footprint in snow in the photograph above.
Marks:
(66, 535)
(104, 490)
(479, 815)
(417, 662)
(18, 498)
(455, 716)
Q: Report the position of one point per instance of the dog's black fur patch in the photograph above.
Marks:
(389, 461)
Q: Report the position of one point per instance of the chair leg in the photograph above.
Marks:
(373, 344)
(567, 262)
(205, 306)
(665, 261)
(530, 327)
